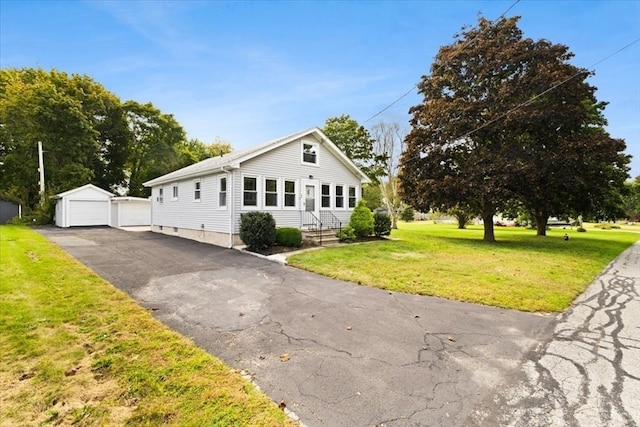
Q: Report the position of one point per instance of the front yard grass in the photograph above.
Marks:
(520, 271)
(74, 350)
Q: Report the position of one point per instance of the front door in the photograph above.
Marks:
(310, 204)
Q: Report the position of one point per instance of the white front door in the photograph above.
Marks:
(310, 193)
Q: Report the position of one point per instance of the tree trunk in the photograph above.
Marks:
(541, 224)
(487, 219)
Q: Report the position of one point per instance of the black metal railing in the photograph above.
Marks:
(312, 223)
(330, 221)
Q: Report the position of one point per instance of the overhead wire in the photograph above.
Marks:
(460, 48)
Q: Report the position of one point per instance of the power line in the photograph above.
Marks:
(460, 48)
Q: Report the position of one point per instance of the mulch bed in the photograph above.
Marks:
(305, 245)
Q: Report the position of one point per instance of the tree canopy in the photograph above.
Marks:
(88, 135)
(506, 118)
(356, 143)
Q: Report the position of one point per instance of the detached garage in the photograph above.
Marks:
(130, 211)
(83, 206)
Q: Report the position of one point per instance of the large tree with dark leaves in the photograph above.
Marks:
(501, 115)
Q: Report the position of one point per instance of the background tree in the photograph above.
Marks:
(356, 142)
(631, 199)
(155, 140)
(462, 214)
(389, 144)
(194, 150)
(492, 130)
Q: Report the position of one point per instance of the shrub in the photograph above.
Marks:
(581, 230)
(381, 224)
(362, 220)
(257, 229)
(289, 237)
(346, 234)
(407, 214)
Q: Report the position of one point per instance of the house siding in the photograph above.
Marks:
(206, 221)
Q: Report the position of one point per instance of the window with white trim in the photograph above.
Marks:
(310, 153)
(271, 192)
(196, 191)
(174, 191)
(222, 192)
(352, 197)
(289, 194)
(325, 200)
(160, 195)
(339, 197)
(250, 191)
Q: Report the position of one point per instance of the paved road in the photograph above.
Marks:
(588, 373)
(338, 354)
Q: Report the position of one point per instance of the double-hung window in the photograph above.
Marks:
(196, 191)
(325, 201)
(160, 195)
(222, 192)
(289, 194)
(174, 191)
(250, 191)
(339, 197)
(271, 192)
(352, 197)
(310, 153)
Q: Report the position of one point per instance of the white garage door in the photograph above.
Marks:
(88, 212)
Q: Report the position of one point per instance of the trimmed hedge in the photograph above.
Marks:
(257, 229)
(288, 236)
(381, 224)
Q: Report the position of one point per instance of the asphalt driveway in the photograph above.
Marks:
(336, 353)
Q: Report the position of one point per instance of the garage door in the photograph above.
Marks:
(88, 212)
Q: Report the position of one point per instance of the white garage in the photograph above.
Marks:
(83, 206)
(130, 211)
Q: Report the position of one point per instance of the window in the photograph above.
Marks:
(222, 192)
(160, 195)
(174, 195)
(196, 191)
(289, 194)
(250, 191)
(309, 153)
(352, 197)
(339, 197)
(326, 196)
(271, 192)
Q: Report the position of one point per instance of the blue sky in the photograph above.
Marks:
(248, 72)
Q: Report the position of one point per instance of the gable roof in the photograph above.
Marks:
(234, 159)
(84, 187)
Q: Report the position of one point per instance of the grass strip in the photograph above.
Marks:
(75, 350)
(520, 271)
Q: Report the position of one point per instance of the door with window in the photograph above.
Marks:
(310, 203)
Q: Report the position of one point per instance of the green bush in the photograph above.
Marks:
(407, 214)
(289, 236)
(257, 229)
(381, 224)
(581, 230)
(362, 220)
(346, 234)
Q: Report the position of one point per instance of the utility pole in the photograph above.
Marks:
(41, 170)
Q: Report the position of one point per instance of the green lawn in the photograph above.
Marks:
(75, 350)
(520, 271)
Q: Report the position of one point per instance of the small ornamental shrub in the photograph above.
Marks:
(289, 236)
(381, 224)
(407, 214)
(362, 220)
(346, 234)
(581, 230)
(257, 229)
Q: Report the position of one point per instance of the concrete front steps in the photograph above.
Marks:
(328, 236)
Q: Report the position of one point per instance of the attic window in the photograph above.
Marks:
(310, 153)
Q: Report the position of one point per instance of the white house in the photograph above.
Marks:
(91, 206)
(304, 180)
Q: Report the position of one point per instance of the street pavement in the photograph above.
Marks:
(588, 373)
(339, 354)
